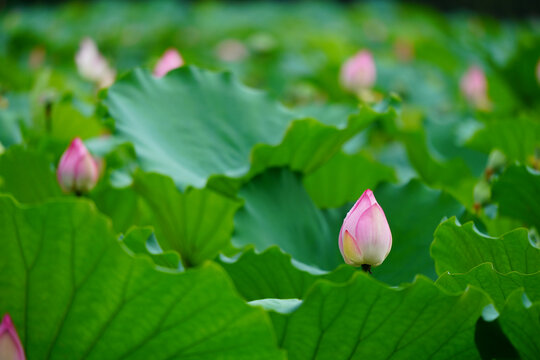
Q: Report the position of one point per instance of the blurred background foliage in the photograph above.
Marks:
(293, 50)
(265, 175)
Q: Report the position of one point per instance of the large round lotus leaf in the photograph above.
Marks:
(194, 123)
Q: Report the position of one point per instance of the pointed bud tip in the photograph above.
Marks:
(6, 321)
(10, 344)
(365, 236)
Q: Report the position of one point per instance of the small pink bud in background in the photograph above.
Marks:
(77, 171)
(404, 50)
(231, 50)
(10, 345)
(365, 238)
(359, 73)
(36, 57)
(474, 87)
(92, 65)
(538, 71)
(170, 60)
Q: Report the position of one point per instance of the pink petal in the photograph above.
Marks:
(359, 71)
(373, 235)
(170, 60)
(77, 170)
(350, 251)
(365, 201)
(474, 84)
(10, 345)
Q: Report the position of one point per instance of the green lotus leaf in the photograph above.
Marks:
(74, 292)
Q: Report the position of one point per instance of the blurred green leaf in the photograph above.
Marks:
(68, 122)
(28, 175)
(122, 205)
(517, 138)
(344, 178)
(452, 176)
(194, 123)
(196, 223)
(516, 191)
(210, 124)
(14, 111)
(413, 212)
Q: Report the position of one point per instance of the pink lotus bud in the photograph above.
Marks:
(92, 65)
(77, 171)
(365, 238)
(359, 72)
(474, 87)
(170, 60)
(10, 345)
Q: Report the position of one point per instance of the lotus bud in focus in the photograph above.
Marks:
(170, 60)
(10, 345)
(474, 87)
(365, 238)
(92, 65)
(78, 171)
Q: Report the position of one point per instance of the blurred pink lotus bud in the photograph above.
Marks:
(77, 171)
(170, 60)
(359, 72)
(538, 71)
(92, 65)
(404, 50)
(37, 57)
(231, 50)
(365, 238)
(10, 345)
(474, 87)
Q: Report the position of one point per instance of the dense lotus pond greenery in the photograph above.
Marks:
(174, 180)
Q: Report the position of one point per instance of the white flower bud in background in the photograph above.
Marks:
(92, 65)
